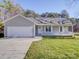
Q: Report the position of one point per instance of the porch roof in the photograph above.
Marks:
(52, 21)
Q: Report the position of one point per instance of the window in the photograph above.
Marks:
(61, 29)
(48, 28)
(39, 27)
(70, 28)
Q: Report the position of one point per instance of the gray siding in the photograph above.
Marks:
(19, 21)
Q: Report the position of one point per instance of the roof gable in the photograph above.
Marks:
(19, 21)
(17, 16)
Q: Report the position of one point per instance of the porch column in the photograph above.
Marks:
(34, 30)
(43, 29)
(72, 32)
(72, 28)
(51, 28)
(59, 28)
(62, 28)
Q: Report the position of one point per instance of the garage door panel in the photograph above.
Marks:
(20, 31)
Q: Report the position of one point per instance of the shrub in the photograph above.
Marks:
(1, 35)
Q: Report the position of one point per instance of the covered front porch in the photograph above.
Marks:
(53, 30)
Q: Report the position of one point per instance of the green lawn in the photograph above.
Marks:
(54, 49)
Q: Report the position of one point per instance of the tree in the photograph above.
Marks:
(30, 13)
(10, 8)
(7, 4)
(53, 15)
(64, 14)
(73, 20)
(44, 14)
(1, 27)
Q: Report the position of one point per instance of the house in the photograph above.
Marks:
(20, 26)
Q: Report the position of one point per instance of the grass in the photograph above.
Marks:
(76, 35)
(49, 48)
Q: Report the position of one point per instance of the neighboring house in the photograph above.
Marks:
(20, 26)
(76, 28)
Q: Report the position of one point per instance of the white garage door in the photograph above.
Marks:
(19, 31)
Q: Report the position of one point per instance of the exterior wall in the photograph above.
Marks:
(40, 30)
(5, 30)
(55, 30)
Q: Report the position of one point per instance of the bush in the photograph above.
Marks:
(59, 37)
(76, 34)
(1, 35)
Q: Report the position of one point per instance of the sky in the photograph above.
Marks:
(41, 6)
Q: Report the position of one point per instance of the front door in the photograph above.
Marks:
(48, 29)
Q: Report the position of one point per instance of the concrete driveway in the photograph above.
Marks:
(15, 48)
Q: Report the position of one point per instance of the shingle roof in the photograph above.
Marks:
(52, 21)
(42, 20)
